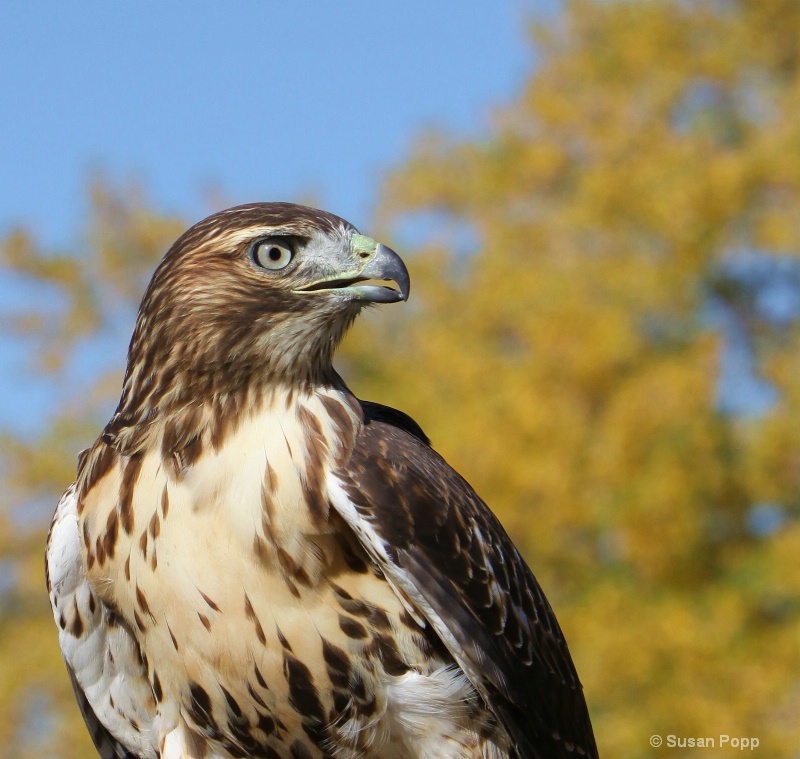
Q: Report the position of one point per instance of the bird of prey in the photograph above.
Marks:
(252, 562)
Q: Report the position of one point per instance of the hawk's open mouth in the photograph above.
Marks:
(371, 289)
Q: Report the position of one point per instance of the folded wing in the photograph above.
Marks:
(448, 557)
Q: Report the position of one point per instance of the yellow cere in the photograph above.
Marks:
(362, 244)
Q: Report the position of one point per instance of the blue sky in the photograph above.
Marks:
(243, 100)
(254, 100)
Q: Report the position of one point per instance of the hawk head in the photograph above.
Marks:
(259, 293)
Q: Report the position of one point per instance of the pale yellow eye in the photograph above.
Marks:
(273, 253)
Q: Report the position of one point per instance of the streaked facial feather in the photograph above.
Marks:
(214, 327)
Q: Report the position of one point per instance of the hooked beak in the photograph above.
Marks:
(381, 263)
(385, 265)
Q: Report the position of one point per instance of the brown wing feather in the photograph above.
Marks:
(460, 559)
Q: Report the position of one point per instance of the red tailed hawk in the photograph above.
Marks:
(254, 563)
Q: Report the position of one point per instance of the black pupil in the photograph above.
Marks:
(275, 254)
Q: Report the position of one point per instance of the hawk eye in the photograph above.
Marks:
(273, 253)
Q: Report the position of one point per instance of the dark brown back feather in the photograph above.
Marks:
(462, 561)
(377, 412)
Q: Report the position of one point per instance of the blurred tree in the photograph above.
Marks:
(585, 273)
